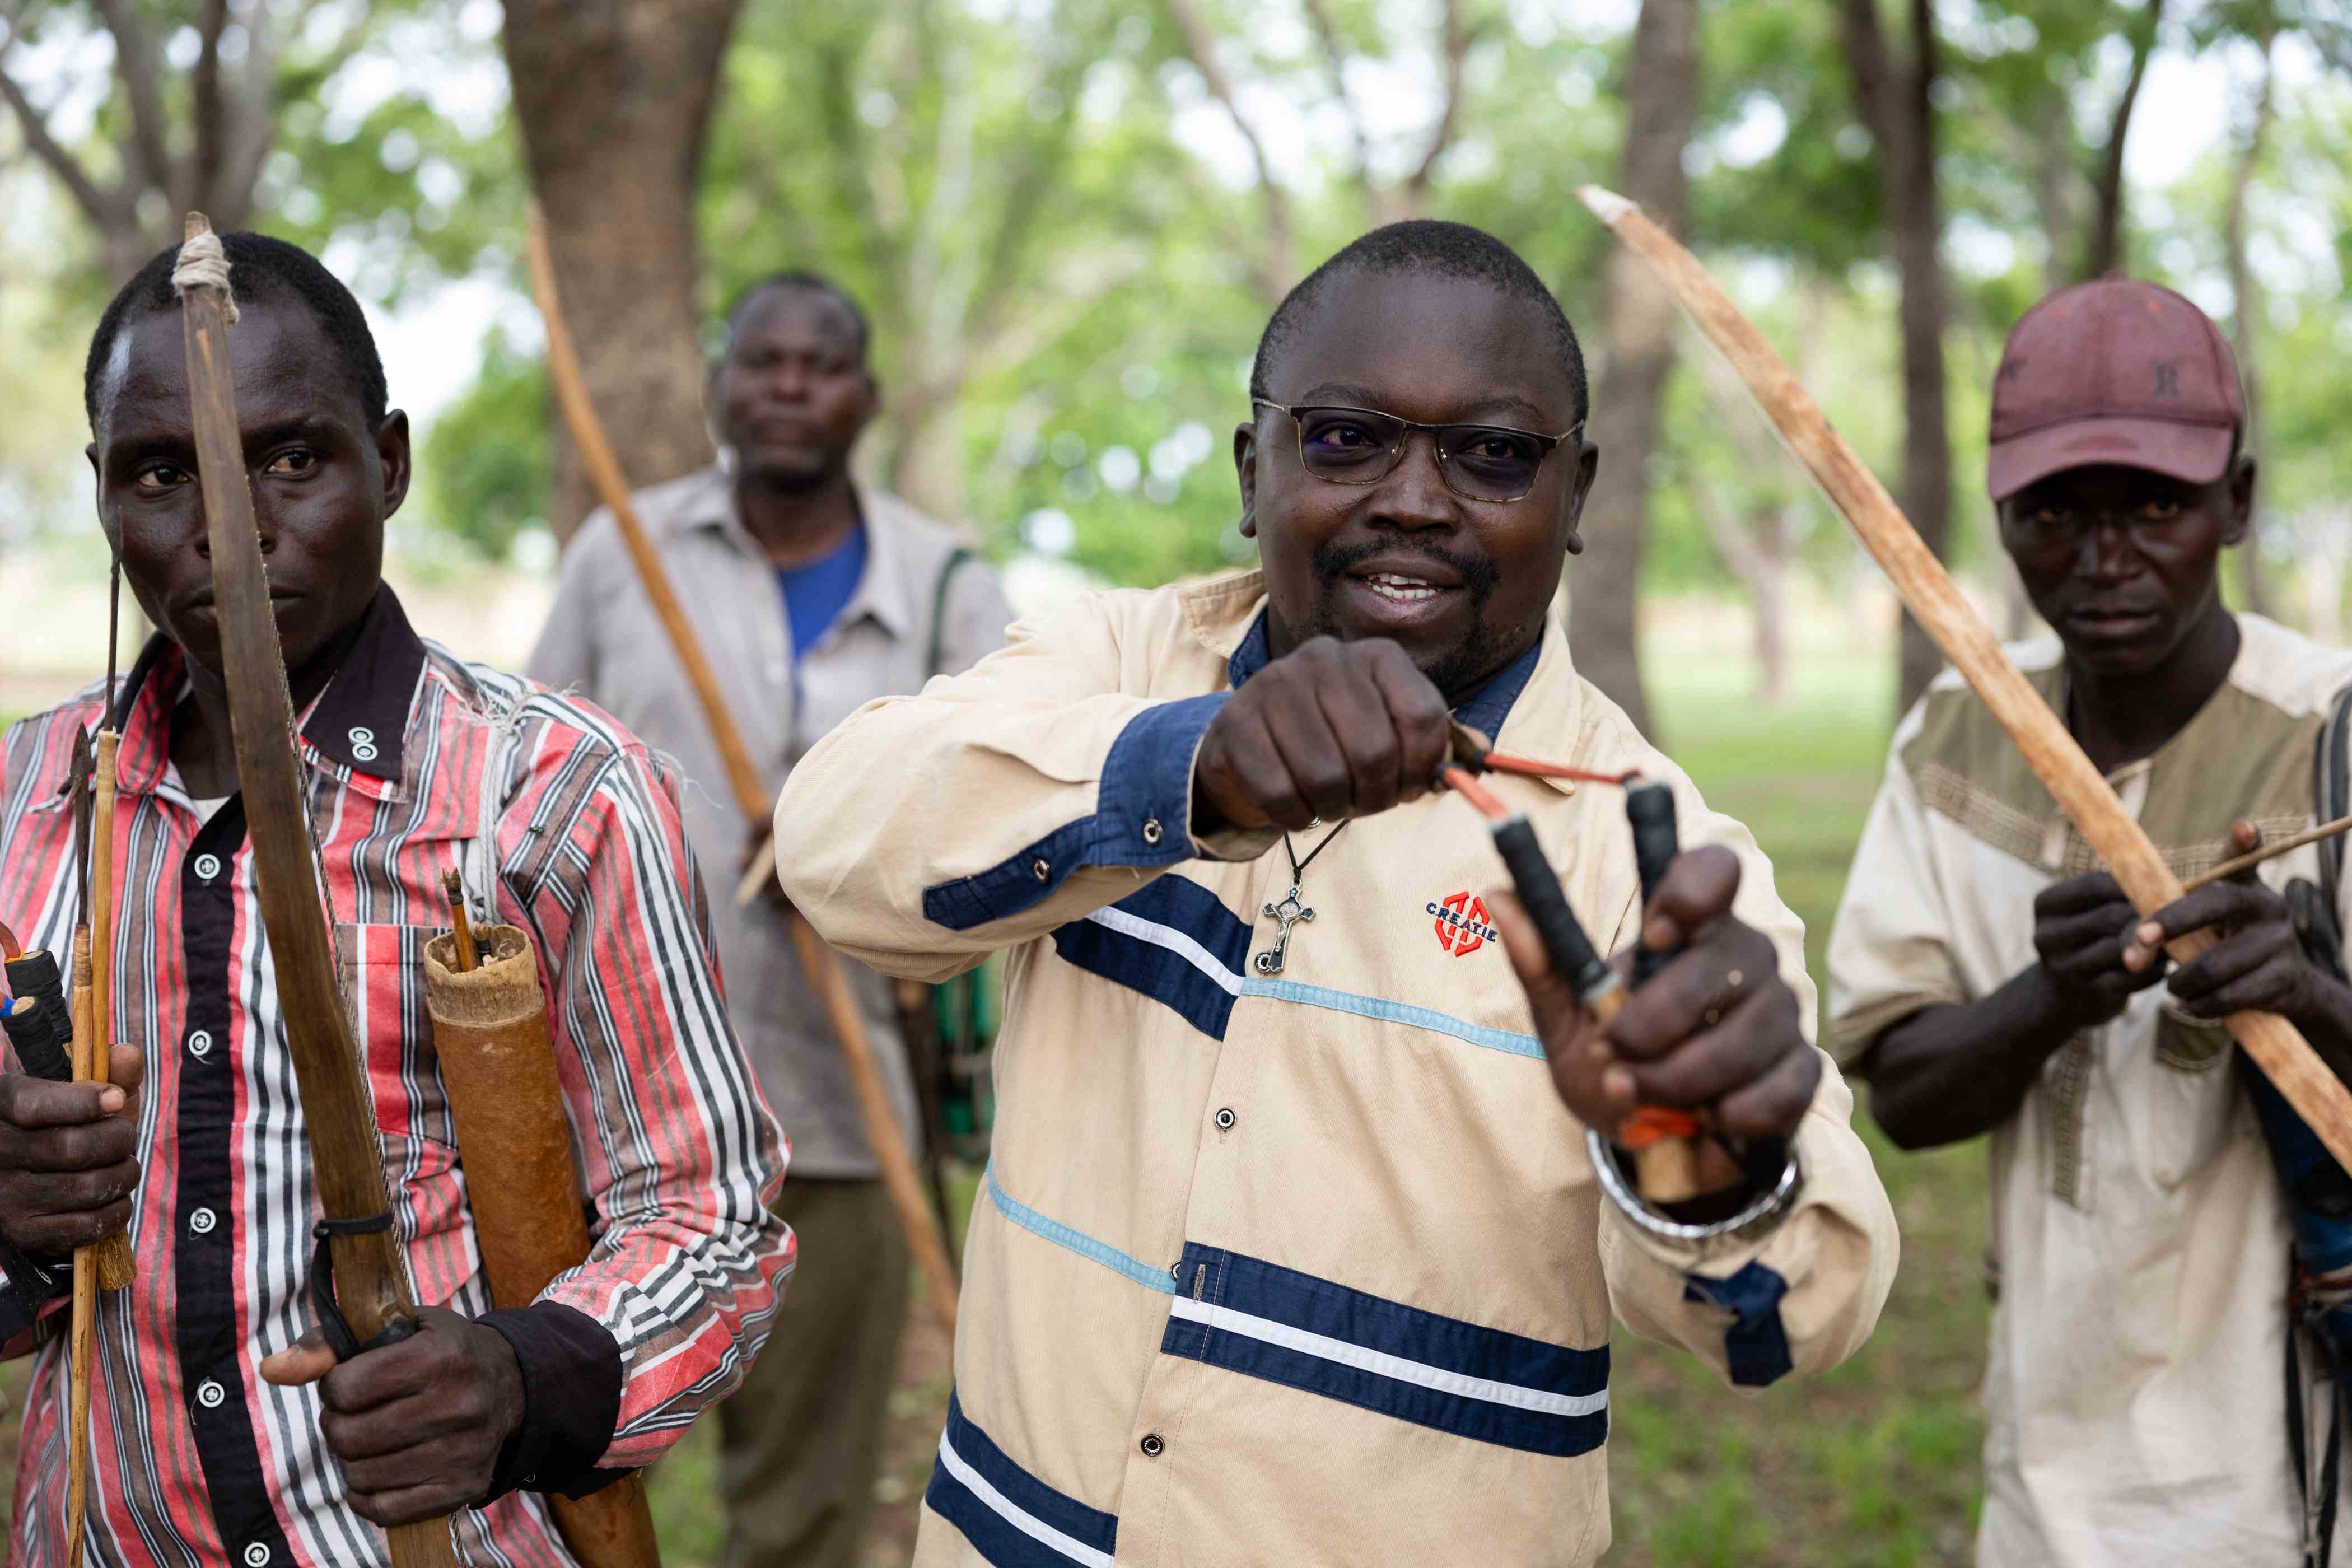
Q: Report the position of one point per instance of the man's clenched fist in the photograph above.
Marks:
(1333, 730)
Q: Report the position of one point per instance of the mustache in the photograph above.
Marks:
(1333, 561)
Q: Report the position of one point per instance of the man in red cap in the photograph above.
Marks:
(1987, 977)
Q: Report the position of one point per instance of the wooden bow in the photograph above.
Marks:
(2082, 793)
(347, 1164)
(818, 960)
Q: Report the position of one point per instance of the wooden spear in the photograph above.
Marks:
(2086, 798)
(818, 961)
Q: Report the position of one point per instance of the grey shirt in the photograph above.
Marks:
(603, 639)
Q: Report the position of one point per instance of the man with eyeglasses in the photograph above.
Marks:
(1295, 1248)
(1987, 977)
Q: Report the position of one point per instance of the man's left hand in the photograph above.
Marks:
(417, 1425)
(2258, 964)
(1715, 1032)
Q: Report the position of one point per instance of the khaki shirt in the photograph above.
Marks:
(1306, 1268)
(2134, 1408)
(604, 640)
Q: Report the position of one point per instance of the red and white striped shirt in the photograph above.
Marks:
(197, 1459)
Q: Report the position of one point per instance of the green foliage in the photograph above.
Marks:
(484, 463)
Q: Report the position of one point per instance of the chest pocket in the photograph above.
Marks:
(383, 975)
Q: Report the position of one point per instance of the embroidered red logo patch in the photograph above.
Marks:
(1462, 927)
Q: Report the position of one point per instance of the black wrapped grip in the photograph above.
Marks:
(1650, 808)
(43, 1037)
(1565, 943)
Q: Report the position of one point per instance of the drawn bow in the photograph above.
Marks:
(358, 1284)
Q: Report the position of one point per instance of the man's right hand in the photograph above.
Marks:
(2080, 929)
(1332, 730)
(69, 1159)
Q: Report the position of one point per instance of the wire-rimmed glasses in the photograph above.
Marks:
(1363, 446)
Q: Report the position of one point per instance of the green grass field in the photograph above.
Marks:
(1873, 1464)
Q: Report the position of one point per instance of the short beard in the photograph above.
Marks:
(1474, 656)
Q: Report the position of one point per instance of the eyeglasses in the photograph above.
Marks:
(1363, 446)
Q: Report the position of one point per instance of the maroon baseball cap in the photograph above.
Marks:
(2114, 370)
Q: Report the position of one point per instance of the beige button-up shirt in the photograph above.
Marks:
(1307, 1268)
(604, 640)
(2135, 1411)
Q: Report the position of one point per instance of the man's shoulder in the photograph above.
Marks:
(553, 727)
(2281, 668)
(43, 742)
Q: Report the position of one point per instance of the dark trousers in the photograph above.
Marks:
(801, 1440)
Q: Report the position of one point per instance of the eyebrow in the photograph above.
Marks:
(1490, 406)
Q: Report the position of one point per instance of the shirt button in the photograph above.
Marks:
(1151, 1445)
(1041, 869)
(203, 1221)
(363, 753)
(210, 1394)
(1151, 830)
(258, 1555)
(200, 1043)
(207, 867)
(1225, 1119)
(361, 735)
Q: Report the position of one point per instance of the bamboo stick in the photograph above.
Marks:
(114, 1264)
(2253, 857)
(82, 1343)
(820, 963)
(2089, 803)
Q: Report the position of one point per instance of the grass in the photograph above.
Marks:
(1874, 1464)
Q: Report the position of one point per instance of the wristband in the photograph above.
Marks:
(1758, 1218)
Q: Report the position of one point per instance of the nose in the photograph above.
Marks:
(2106, 553)
(1414, 495)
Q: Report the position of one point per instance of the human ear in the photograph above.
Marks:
(391, 449)
(1587, 465)
(1246, 467)
(2241, 501)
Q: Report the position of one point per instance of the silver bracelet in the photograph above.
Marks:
(1758, 1218)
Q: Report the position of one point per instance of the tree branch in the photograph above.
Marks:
(134, 62)
(212, 135)
(1335, 58)
(2105, 251)
(1458, 36)
(1271, 269)
(96, 204)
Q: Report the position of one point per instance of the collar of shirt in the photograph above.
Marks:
(356, 729)
(1483, 709)
(885, 593)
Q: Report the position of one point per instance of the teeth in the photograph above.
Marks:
(1404, 590)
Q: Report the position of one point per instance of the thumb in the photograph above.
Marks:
(307, 1359)
(126, 1067)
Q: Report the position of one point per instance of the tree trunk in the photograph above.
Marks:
(1896, 103)
(613, 97)
(1637, 351)
(2246, 314)
(2105, 253)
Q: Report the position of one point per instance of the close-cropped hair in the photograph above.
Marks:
(798, 278)
(1440, 249)
(260, 267)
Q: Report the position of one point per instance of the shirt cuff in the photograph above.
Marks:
(572, 1400)
(1144, 805)
(29, 1286)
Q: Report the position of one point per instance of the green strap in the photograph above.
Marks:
(937, 651)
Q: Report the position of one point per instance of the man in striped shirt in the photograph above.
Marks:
(221, 1431)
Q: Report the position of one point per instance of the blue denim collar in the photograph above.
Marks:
(1483, 709)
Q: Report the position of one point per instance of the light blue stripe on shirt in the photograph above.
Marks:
(1379, 1007)
(1055, 1231)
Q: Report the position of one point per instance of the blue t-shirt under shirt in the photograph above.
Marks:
(817, 593)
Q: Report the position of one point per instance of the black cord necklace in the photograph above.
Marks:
(1290, 912)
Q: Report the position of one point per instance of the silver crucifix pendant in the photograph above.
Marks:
(1290, 912)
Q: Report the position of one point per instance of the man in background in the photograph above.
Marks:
(1987, 977)
(814, 594)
